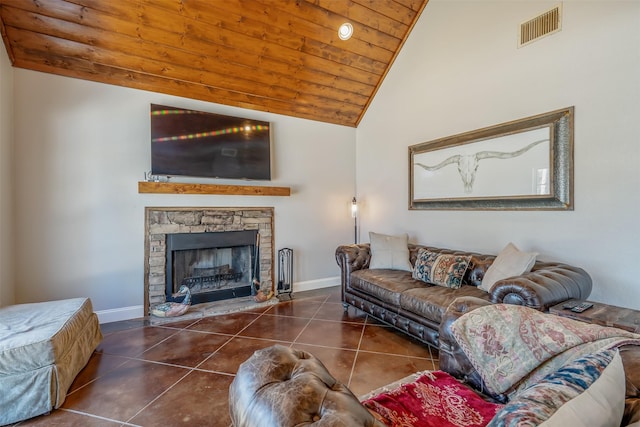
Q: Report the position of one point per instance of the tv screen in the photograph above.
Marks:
(199, 144)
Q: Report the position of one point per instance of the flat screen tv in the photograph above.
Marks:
(199, 144)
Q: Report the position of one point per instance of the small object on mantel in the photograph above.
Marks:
(174, 309)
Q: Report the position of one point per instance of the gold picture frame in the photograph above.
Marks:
(526, 164)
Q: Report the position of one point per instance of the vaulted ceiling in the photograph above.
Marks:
(281, 56)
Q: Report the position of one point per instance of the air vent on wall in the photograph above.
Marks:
(540, 26)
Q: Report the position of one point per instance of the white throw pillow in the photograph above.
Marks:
(389, 251)
(510, 262)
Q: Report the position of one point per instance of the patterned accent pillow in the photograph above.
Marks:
(589, 391)
(440, 269)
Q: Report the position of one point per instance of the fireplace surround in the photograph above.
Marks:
(166, 227)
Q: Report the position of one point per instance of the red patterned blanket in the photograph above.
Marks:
(433, 399)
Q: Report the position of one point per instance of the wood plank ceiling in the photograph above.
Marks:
(281, 56)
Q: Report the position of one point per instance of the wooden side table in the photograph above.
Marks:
(602, 314)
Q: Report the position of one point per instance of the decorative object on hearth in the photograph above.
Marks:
(263, 295)
(285, 273)
(525, 164)
(174, 309)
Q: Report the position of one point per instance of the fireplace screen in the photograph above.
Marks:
(214, 266)
(204, 270)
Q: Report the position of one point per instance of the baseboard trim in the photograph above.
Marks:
(310, 285)
(118, 314)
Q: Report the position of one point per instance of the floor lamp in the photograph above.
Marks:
(354, 215)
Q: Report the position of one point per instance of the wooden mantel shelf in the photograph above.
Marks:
(229, 190)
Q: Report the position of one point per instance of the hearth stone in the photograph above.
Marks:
(215, 308)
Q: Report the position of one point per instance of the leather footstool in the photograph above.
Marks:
(280, 386)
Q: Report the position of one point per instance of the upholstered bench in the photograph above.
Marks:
(43, 346)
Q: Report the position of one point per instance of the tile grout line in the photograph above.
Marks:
(308, 322)
(127, 359)
(237, 335)
(137, 357)
(189, 369)
(161, 341)
(355, 359)
(433, 363)
(232, 337)
(159, 396)
(75, 411)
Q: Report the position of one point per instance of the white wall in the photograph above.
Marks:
(82, 147)
(6, 181)
(461, 70)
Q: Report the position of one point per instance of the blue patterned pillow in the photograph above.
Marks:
(589, 391)
(441, 270)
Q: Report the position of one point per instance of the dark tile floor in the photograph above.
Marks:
(178, 374)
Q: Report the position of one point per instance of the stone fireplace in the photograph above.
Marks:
(217, 252)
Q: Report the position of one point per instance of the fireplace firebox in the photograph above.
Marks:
(214, 265)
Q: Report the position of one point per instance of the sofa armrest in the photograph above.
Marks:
(351, 258)
(546, 285)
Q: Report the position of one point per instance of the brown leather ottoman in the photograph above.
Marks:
(280, 386)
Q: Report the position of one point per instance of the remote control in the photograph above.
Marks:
(582, 307)
(569, 305)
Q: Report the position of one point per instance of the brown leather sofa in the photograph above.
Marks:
(455, 362)
(417, 308)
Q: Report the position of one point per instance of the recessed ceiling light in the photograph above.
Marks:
(345, 31)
